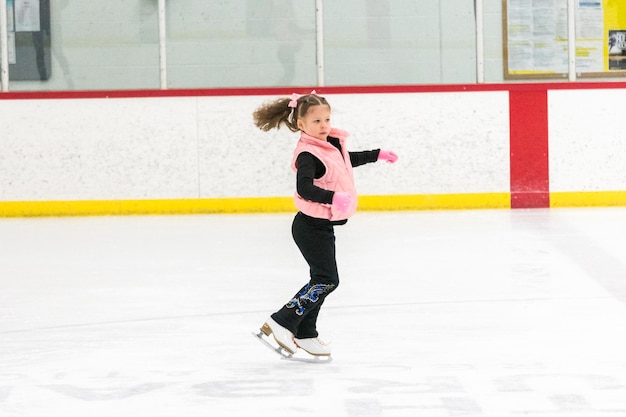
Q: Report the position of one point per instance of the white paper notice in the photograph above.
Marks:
(537, 36)
(590, 37)
(11, 47)
(10, 22)
(27, 16)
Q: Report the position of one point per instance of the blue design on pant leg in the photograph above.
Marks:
(309, 295)
(294, 301)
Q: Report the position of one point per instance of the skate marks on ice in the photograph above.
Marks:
(362, 390)
(351, 389)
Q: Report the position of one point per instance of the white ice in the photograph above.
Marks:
(444, 313)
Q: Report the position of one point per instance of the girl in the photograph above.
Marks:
(325, 197)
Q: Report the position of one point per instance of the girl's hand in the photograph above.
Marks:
(341, 201)
(387, 155)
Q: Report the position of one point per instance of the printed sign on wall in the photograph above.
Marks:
(536, 38)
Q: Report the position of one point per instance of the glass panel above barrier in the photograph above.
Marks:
(399, 42)
(57, 45)
(99, 46)
(251, 43)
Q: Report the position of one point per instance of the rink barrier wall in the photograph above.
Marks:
(179, 151)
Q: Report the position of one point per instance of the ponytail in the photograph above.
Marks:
(274, 114)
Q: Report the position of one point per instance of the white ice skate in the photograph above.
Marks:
(283, 344)
(313, 346)
(282, 336)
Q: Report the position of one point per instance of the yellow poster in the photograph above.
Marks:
(615, 35)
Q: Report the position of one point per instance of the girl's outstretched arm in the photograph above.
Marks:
(363, 157)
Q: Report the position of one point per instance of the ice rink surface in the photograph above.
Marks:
(442, 313)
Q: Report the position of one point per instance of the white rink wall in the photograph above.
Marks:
(587, 140)
(206, 147)
(188, 147)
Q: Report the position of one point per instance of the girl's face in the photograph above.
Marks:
(316, 122)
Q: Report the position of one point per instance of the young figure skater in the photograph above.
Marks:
(325, 197)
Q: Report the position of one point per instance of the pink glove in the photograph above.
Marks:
(341, 201)
(387, 155)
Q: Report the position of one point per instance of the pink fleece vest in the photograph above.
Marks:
(338, 176)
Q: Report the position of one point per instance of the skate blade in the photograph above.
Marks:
(284, 353)
(311, 359)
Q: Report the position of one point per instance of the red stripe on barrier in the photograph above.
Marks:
(253, 91)
(529, 149)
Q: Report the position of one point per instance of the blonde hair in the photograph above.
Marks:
(274, 114)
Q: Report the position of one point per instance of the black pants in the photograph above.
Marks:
(316, 241)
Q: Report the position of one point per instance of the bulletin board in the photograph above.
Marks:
(535, 40)
(28, 35)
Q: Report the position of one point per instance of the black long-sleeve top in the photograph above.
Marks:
(309, 167)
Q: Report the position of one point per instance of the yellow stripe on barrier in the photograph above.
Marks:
(435, 202)
(588, 199)
(244, 205)
(138, 207)
(285, 204)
